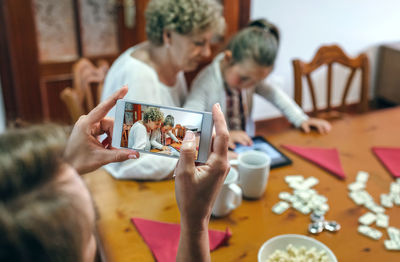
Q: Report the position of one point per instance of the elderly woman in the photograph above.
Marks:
(140, 132)
(179, 34)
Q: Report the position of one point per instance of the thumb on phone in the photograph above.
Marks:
(187, 153)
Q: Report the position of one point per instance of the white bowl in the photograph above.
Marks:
(282, 241)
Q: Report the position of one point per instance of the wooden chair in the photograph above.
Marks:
(179, 131)
(87, 87)
(328, 55)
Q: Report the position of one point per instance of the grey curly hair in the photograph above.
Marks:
(152, 114)
(182, 16)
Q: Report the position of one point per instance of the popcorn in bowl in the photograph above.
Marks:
(293, 254)
(293, 247)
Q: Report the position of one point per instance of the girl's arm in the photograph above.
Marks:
(283, 102)
(291, 110)
(172, 136)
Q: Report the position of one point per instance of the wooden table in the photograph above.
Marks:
(253, 222)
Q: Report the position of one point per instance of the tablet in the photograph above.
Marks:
(260, 144)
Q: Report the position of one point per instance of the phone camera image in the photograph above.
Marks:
(158, 130)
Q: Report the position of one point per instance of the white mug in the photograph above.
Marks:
(230, 196)
(254, 169)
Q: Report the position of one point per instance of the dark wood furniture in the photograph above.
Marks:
(253, 222)
(329, 55)
(87, 87)
(388, 75)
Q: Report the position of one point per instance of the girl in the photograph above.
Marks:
(158, 136)
(239, 72)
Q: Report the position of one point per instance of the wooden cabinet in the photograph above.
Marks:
(388, 77)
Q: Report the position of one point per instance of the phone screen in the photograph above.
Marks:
(157, 129)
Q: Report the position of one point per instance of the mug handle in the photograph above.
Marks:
(237, 193)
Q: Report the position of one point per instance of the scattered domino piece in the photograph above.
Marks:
(394, 234)
(372, 206)
(382, 220)
(394, 242)
(396, 200)
(367, 219)
(362, 177)
(357, 198)
(285, 196)
(310, 182)
(395, 188)
(280, 207)
(386, 200)
(370, 232)
(356, 186)
(391, 245)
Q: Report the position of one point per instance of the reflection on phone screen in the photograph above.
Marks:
(157, 129)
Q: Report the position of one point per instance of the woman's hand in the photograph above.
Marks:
(239, 136)
(196, 188)
(321, 125)
(83, 151)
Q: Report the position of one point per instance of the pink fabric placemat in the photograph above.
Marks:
(390, 158)
(326, 158)
(163, 238)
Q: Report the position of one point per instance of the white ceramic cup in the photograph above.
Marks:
(230, 196)
(254, 169)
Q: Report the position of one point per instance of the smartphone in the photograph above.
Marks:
(159, 129)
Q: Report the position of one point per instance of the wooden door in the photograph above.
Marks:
(40, 40)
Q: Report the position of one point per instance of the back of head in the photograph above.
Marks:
(38, 220)
(259, 41)
(185, 17)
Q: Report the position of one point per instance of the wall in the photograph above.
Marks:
(357, 26)
(2, 113)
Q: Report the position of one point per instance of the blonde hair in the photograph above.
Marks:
(185, 17)
(152, 114)
(259, 41)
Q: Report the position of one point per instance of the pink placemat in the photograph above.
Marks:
(163, 238)
(326, 158)
(390, 158)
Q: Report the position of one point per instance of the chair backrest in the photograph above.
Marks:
(179, 131)
(87, 87)
(328, 55)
